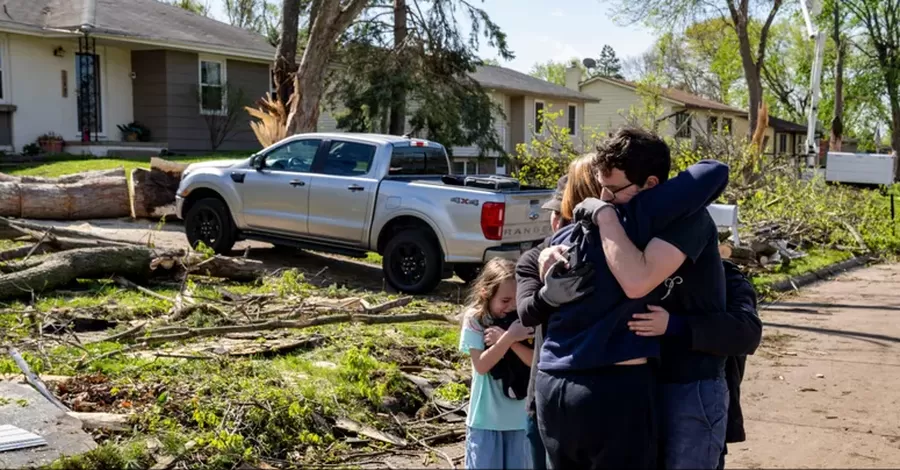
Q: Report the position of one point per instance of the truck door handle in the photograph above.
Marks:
(355, 187)
(296, 183)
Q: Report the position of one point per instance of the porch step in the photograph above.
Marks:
(116, 149)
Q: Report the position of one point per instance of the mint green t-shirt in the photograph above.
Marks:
(489, 407)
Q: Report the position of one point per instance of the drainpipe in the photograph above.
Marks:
(88, 15)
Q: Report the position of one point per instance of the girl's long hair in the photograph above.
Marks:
(582, 184)
(494, 273)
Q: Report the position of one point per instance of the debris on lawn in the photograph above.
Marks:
(768, 246)
(195, 364)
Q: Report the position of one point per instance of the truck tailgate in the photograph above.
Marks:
(524, 218)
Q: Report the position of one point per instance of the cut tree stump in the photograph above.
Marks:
(153, 190)
(92, 198)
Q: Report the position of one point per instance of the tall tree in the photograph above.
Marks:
(608, 64)
(286, 52)
(702, 60)
(840, 44)
(398, 108)
(737, 13)
(328, 21)
(193, 6)
(419, 74)
(880, 19)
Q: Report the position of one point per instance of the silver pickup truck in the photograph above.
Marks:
(354, 193)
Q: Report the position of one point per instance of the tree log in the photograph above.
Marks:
(47, 272)
(103, 197)
(65, 179)
(59, 269)
(153, 190)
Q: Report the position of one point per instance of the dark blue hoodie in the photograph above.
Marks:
(593, 331)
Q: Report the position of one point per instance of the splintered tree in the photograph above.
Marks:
(328, 21)
(417, 69)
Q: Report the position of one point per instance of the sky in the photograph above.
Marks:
(541, 30)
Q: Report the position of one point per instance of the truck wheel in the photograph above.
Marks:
(467, 272)
(209, 222)
(412, 262)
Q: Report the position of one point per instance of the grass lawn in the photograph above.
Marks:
(58, 167)
(816, 258)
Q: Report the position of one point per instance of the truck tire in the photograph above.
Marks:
(467, 272)
(412, 262)
(209, 221)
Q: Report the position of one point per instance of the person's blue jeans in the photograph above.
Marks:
(487, 449)
(538, 454)
(695, 416)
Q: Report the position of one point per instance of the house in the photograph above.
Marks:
(80, 68)
(684, 116)
(523, 99)
(790, 137)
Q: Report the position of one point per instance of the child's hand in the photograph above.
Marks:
(653, 323)
(492, 335)
(519, 332)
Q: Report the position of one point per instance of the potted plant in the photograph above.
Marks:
(51, 142)
(134, 132)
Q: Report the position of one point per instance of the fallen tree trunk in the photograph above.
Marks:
(153, 190)
(47, 272)
(103, 197)
(65, 179)
(61, 268)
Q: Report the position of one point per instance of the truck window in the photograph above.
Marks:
(418, 161)
(296, 155)
(348, 159)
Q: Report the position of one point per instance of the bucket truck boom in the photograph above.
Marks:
(811, 9)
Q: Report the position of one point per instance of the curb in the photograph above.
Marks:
(821, 274)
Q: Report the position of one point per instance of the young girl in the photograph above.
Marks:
(495, 434)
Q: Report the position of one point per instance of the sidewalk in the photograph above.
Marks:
(823, 390)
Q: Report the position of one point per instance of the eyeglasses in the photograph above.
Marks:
(612, 192)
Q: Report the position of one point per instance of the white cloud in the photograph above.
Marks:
(557, 12)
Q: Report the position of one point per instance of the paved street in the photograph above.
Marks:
(824, 389)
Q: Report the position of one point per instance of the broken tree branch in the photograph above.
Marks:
(297, 325)
(126, 283)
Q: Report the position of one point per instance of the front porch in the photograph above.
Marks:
(111, 148)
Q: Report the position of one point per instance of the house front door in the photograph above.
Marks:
(87, 86)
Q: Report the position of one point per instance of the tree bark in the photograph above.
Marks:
(286, 53)
(47, 272)
(837, 124)
(101, 197)
(328, 20)
(740, 16)
(398, 95)
(62, 268)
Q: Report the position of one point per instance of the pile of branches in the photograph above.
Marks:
(53, 258)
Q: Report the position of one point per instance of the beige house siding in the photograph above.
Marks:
(616, 102)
